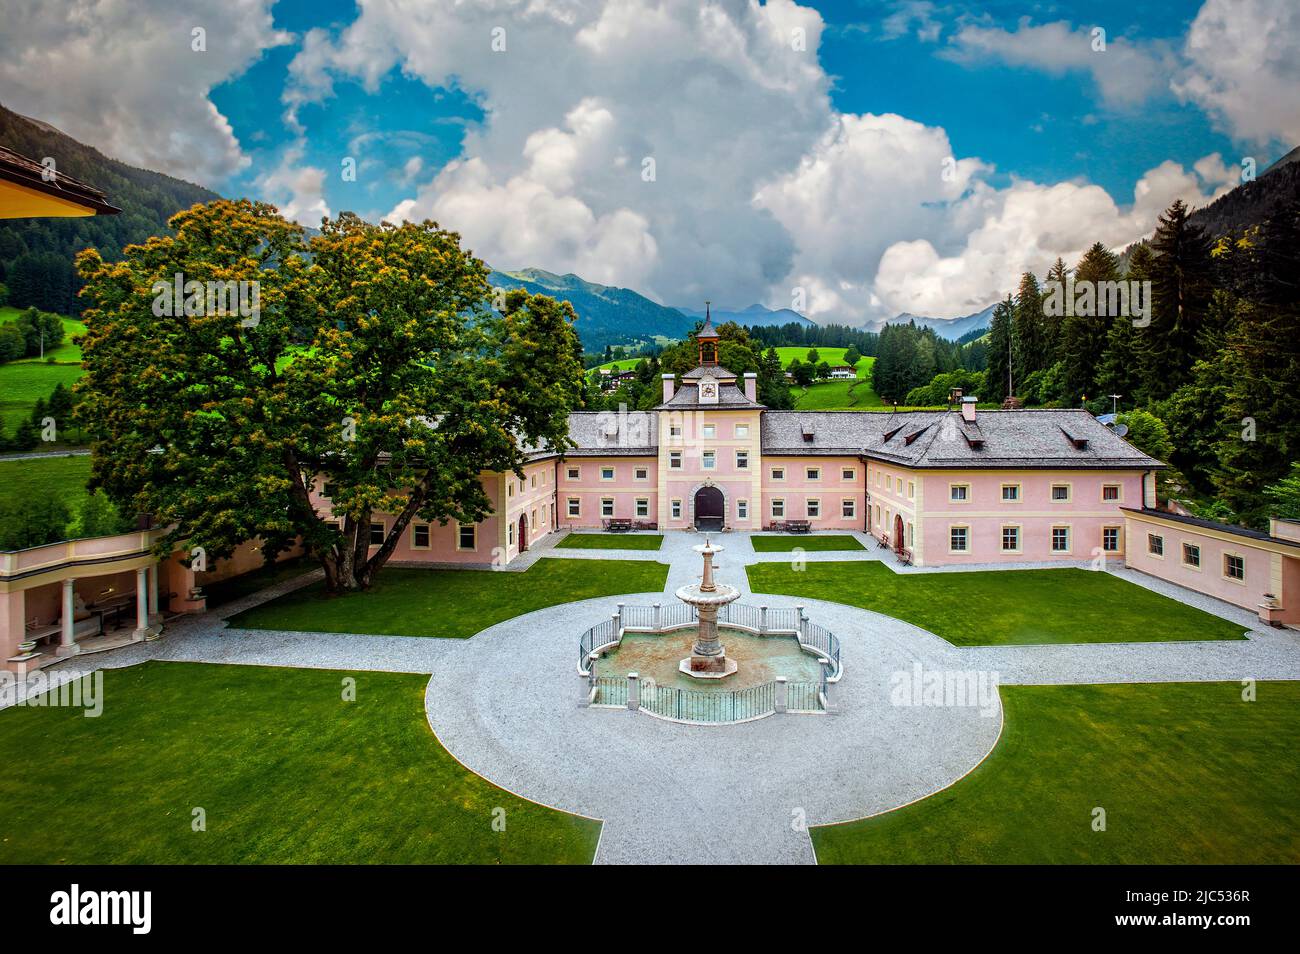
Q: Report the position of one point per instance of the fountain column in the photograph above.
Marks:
(708, 658)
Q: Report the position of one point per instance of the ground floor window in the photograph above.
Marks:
(742, 509)
(1110, 539)
(814, 507)
(510, 533)
(376, 534)
(1234, 567)
(1010, 539)
(958, 539)
(677, 509)
(778, 507)
(420, 536)
(467, 536)
(1155, 544)
(1060, 539)
(607, 506)
(910, 533)
(642, 507)
(848, 508)
(532, 520)
(575, 507)
(1191, 555)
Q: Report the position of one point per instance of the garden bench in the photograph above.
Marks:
(905, 557)
(882, 541)
(618, 526)
(646, 525)
(797, 526)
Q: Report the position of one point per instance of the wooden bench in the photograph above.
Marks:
(882, 541)
(905, 557)
(618, 526)
(797, 526)
(646, 525)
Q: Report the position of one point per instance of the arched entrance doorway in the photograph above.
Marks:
(709, 509)
(898, 534)
(523, 532)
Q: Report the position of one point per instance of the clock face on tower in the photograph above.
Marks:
(708, 391)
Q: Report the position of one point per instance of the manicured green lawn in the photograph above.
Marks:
(611, 541)
(284, 769)
(227, 591)
(784, 544)
(454, 603)
(1187, 773)
(1001, 606)
(63, 477)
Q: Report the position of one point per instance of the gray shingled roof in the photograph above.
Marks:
(714, 370)
(729, 396)
(934, 439)
(606, 433)
(1204, 524)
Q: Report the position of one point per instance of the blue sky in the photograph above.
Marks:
(850, 159)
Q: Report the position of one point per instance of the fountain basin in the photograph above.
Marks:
(657, 658)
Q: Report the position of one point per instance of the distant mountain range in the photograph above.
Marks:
(755, 316)
(949, 328)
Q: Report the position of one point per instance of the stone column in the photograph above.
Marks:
(154, 616)
(141, 604)
(762, 619)
(633, 691)
(67, 644)
(782, 694)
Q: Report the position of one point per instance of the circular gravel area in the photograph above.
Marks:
(511, 707)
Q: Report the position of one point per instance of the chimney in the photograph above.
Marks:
(751, 386)
(968, 409)
(669, 382)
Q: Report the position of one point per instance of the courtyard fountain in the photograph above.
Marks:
(708, 658)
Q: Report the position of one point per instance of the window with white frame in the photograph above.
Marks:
(778, 507)
(1110, 492)
(1060, 493)
(742, 460)
(1155, 544)
(532, 521)
(575, 507)
(959, 493)
(959, 539)
(674, 430)
(848, 508)
(607, 473)
(1010, 493)
(674, 460)
(1234, 566)
(532, 481)
(1110, 539)
(911, 529)
(510, 534)
(466, 536)
(778, 473)
(607, 506)
(911, 490)
(1191, 555)
(420, 536)
(642, 507)
(813, 473)
(709, 430)
(709, 460)
(572, 473)
(1010, 539)
(676, 509)
(898, 485)
(742, 430)
(642, 473)
(847, 473)
(814, 508)
(1060, 539)
(742, 509)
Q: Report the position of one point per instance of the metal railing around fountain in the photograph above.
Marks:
(691, 705)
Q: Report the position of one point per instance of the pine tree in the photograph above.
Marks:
(1029, 329)
(1054, 327)
(1180, 280)
(999, 351)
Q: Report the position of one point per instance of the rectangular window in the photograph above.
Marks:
(778, 473)
(709, 430)
(1155, 545)
(467, 537)
(1234, 567)
(742, 430)
(674, 430)
(958, 539)
(532, 482)
(1060, 492)
(910, 531)
(848, 507)
(813, 473)
(1010, 539)
(677, 510)
(607, 473)
(958, 493)
(510, 534)
(1191, 555)
(778, 507)
(1110, 539)
(742, 460)
(911, 489)
(607, 506)
(1110, 491)
(331, 491)
(742, 509)
(420, 536)
(709, 460)
(1010, 492)
(1060, 539)
(642, 473)
(376, 534)
(847, 473)
(674, 460)
(814, 507)
(572, 473)
(575, 507)
(532, 521)
(642, 507)
(898, 485)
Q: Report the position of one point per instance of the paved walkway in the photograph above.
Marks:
(508, 704)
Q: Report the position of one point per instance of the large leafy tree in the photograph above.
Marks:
(375, 366)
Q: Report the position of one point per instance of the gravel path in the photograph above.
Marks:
(508, 704)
